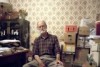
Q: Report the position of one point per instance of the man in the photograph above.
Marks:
(46, 49)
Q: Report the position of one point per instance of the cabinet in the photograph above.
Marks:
(16, 59)
(9, 29)
(15, 29)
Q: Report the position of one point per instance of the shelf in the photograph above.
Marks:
(83, 47)
(69, 53)
(15, 29)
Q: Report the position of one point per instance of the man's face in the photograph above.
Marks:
(42, 27)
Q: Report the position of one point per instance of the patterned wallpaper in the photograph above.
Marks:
(57, 13)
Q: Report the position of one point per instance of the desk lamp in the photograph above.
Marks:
(5, 7)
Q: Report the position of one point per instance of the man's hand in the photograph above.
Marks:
(58, 59)
(59, 62)
(41, 64)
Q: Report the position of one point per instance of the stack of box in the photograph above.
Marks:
(96, 57)
(69, 44)
(69, 48)
(95, 50)
(70, 38)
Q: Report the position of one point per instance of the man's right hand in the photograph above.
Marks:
(41, 64)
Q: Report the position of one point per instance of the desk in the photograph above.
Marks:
(16, 59)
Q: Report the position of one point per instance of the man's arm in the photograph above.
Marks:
(57, 49)
(37, 58)
(57, 56)
(36, 53)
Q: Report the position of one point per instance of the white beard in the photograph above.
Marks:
(41, 32)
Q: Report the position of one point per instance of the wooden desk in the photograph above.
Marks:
(16, 59)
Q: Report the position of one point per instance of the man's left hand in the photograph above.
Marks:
(59, 62)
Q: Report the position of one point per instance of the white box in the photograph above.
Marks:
(84, 31)
(70, 37)
(69, 48)
(94, 46)
(96, 57)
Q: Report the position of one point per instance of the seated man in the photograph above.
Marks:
(46, 49)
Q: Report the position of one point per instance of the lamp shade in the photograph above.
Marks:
(5, 6)
(4, 1)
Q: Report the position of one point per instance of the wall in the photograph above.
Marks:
(57, 13)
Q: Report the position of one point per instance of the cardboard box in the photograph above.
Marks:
(96, 57)
(97, 40)
(81, 42)
(71, 28)
(69, 48)
(84, 31)
(70, 38)
(94, 46)
(81, 54)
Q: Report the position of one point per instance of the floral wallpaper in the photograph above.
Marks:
(57, 13)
